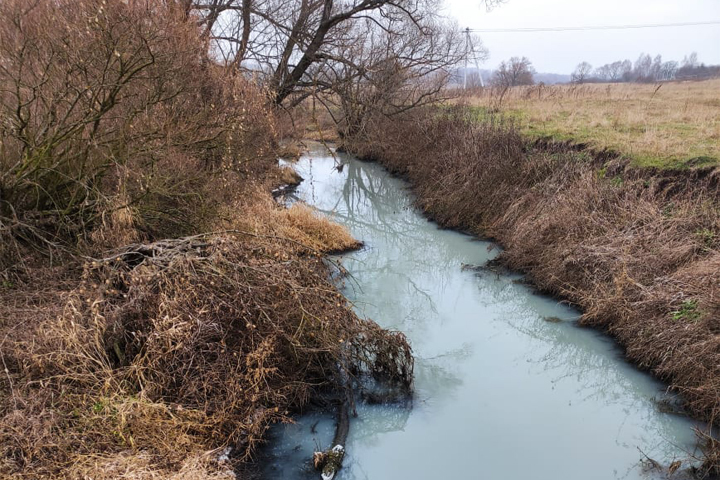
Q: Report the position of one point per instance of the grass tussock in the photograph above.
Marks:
(302, 224)
(288, 176)
(637, 251)
(671, 124)
(299, 224)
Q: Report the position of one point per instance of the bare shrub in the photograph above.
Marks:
(112, 110)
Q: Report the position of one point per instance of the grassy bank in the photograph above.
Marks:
(134, 344)
(673, 124)
(637, 252)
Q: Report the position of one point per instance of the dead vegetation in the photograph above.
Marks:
(132, 344)
(636, 250)
(174, 349)
(112, 126)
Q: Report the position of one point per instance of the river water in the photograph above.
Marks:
(507, 385)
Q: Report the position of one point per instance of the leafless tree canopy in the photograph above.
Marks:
(516, 71)
(390, 70)
(582, 73)
(649, 69)
(308, 47)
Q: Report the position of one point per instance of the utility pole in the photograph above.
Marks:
(467, 52)
(469, 47)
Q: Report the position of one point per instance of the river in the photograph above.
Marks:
(507, 385)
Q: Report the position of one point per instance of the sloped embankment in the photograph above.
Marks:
(636, 250)
(163, 354)
(132, 343)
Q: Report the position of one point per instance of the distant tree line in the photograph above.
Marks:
(646, 69)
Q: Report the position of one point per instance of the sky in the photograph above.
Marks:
(560, 52)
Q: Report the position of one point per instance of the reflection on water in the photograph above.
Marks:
(500, 392)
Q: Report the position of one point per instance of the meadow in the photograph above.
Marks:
(667, 125)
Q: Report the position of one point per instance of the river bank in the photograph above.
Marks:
(172, 358)
(506, 382)
(158, 309)
(636, 252)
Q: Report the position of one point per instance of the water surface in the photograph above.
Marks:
(501, 392)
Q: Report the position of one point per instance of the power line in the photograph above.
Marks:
(591, 27)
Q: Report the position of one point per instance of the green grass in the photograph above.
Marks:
(688, 311)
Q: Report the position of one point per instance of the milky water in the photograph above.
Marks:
(500, 391)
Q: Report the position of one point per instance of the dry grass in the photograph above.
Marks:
(134, 466)
(637, 250)
(166, 353)
(329, 134)
(304, 225)
(299, 223)
(288, 176)
(663, 125)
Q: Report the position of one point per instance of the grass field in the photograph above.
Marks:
(674, 124)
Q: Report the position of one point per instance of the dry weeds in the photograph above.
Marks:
(166, 353)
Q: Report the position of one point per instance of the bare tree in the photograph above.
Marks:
(615, 71)
(611, 72)
(582, 73)
(626, 70)
(668, 70)
(294, 47)
(643, 68)
(690, 61)
(391, 70)
(649, 69)
(516, 71)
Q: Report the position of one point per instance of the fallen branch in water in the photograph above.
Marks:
(330, 461)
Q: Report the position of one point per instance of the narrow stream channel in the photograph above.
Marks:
(501, 391)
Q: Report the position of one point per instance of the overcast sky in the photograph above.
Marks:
(560, 52)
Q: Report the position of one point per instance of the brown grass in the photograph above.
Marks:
(134, 466)
(637, 251)
(654, 124)
(288, 176)
(302, 224)
(166, 353)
